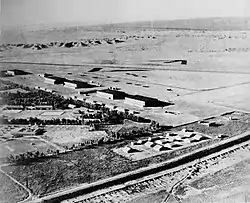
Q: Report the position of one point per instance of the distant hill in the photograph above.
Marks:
(196, 23)
(46, 33)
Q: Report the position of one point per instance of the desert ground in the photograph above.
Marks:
(213, 85)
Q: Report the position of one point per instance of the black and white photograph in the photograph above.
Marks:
(124, 101)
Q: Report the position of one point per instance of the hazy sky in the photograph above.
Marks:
(26, 12)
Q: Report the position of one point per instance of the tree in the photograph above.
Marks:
(11, 158)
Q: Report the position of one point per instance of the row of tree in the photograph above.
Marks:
(114, 136)
(7, 85)
(107, 115)
(57, 121)
(31, 156)
(39, 97)
(34, 98)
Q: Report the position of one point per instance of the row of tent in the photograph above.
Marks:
(168, 142)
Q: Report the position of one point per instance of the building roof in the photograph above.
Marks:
(43, 106)
(160, 148)
(81, 84)
(141, 98)
(50, 76)
(114, 92)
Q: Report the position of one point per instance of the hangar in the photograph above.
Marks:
(143, 101)
(111, 94)
(75, 84)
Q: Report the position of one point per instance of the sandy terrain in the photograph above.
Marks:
(214, 81)
(134, 59)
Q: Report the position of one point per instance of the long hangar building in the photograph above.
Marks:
(133, 100)
(140, 101)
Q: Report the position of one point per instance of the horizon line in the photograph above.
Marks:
(73, 24)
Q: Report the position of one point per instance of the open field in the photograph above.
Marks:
(18, 146)
(40, 114)
(64, 135)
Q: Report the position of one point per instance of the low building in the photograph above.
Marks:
(187, 134)
(75, 84)
(172, 145)
(86, 92)
(27, 131)
(49, 80)
(111, 94)
(142, 101)
(162, 142)
(72, 106)
(31, 108)
(44, 107)
(198, 138)
(70, 85)
(160, 148)
(13, 107)
(42, 88)
(135, 101)
(10, 72)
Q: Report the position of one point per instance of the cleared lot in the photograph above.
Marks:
(61, 134)
(18, 146)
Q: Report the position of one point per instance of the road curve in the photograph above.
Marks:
(18, 183)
